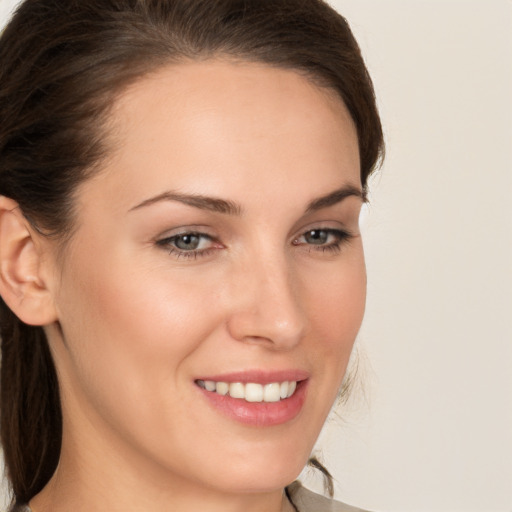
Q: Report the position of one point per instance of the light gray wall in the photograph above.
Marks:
(438, 329)
(436, 432)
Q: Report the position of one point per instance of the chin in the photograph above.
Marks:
(268, 480)
(265, 472)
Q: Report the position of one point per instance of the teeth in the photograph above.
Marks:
(209, 385)
(237, 390)
(222, 388)
(252, 392)
(283, 389)
(272, 392)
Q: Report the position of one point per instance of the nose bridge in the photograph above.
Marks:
(267, 303)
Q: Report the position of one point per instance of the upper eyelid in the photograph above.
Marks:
(185, 230)
(326, 225)
(189, 232)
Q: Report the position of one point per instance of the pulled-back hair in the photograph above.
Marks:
(62, 65)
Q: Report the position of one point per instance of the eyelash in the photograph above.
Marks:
(340, 238)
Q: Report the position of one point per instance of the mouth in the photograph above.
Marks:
(256, 398)
(251, 391)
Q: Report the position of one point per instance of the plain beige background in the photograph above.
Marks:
(433, 430)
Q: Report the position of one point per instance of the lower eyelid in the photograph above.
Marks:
(178, 254)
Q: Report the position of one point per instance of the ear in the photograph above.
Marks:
(22, 284)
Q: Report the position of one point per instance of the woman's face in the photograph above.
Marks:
(217, 253)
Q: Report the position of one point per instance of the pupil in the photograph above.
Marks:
(316, 236)
(187, 242)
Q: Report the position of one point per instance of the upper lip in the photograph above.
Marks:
(258, 376)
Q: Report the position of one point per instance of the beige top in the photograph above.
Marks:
(305, 500)
(302, 499)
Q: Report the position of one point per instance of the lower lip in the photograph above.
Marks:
(261, 414)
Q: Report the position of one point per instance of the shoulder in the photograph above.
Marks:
(305, 500)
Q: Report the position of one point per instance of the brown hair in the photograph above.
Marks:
(62, 64)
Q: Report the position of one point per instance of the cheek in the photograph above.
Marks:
(337, 304)
(128, 338)
(144, 295)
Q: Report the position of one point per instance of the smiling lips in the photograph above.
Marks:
(257, 398)
(251, 391)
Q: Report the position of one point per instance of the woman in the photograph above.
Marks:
(181, 267)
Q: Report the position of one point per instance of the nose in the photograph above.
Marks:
(266, 305)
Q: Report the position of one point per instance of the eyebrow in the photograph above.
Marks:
(212, 204)
(227, 207)
(335, 197)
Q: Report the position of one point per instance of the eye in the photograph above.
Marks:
(323, 239)
(317, 236)
(188, 245)
(188, 242)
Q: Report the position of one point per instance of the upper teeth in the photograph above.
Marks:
(251, 391)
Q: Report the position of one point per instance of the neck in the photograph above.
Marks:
(57, 498)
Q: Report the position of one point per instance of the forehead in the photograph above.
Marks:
(195, 125)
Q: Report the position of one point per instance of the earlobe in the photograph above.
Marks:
(22, 285)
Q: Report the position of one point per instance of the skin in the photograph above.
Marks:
(136, 323)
